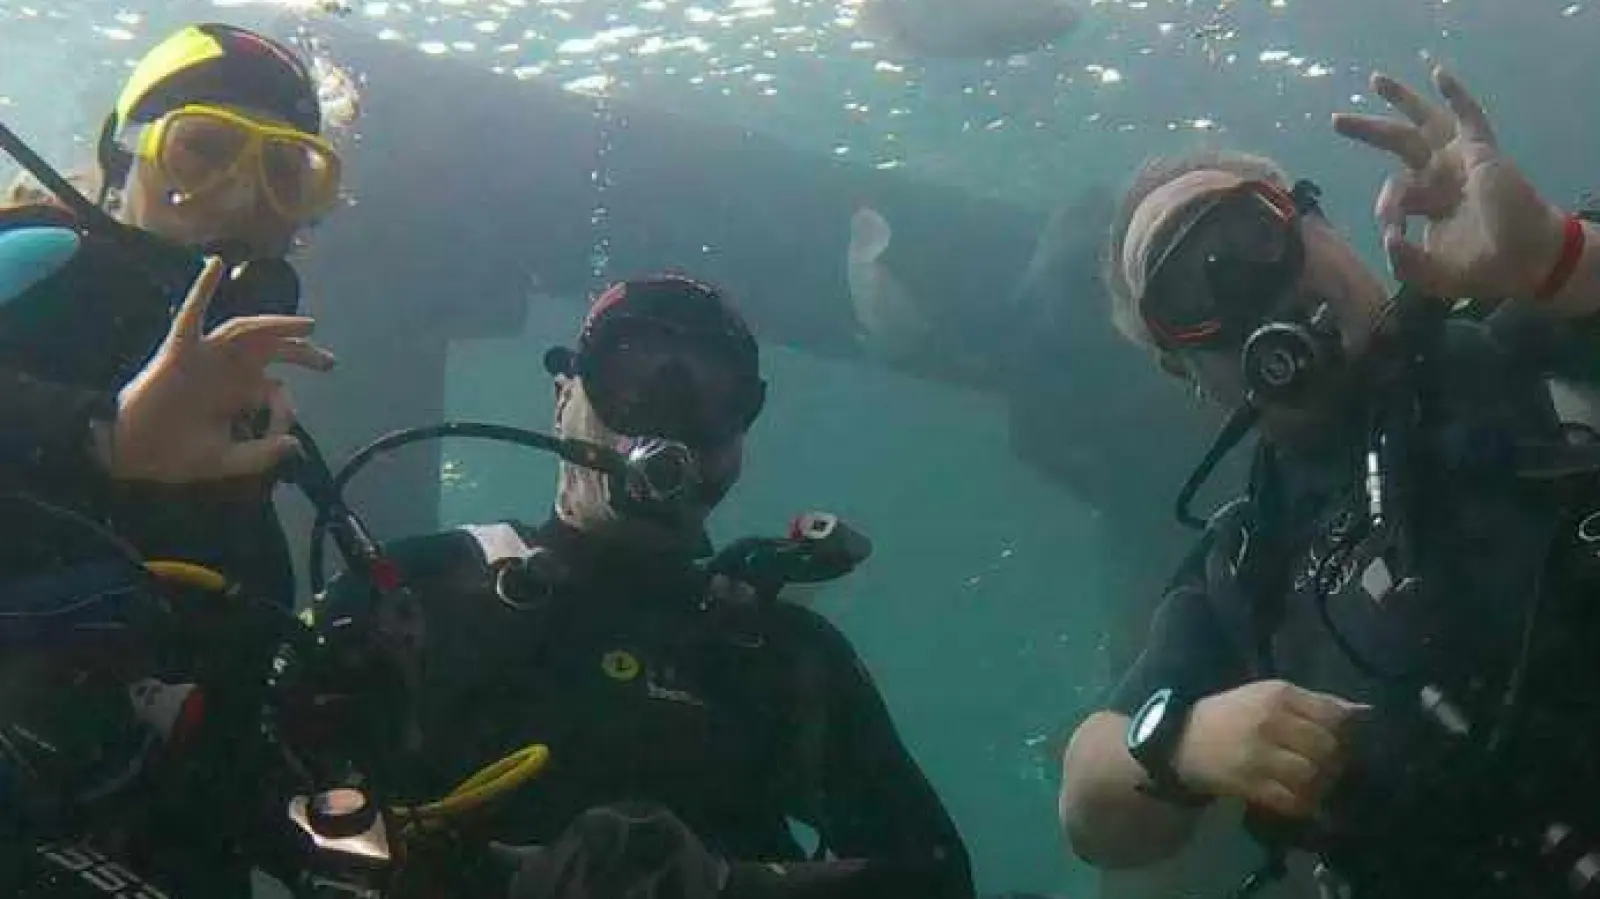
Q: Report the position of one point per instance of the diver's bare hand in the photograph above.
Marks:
(176, 419)
(1269, 743)
(1488, 233)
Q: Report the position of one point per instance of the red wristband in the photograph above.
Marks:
(1572, 240)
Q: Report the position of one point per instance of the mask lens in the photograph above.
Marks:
(302, 178)
(1224, 269)
(653, 381)
(199, 148)
(196, 152)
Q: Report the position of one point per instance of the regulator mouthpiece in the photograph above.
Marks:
(1283, 362)
(659, 474)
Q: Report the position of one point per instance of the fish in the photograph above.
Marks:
(1059, 291)
(892, 327)
(965, 29)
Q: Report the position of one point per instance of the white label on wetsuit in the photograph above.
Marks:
(498, 541)
(159, 704)
(1377, 580)
(657, 691)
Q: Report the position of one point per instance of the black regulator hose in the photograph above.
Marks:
(312, 474)
(1233, 432)
(578, 452)
(89, 215)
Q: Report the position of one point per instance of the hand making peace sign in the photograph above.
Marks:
(176, 421)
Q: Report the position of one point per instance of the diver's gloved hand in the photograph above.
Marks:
(1488, 232)
(176, 421)
(627, 850)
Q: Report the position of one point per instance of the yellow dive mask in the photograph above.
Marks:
(199, 147)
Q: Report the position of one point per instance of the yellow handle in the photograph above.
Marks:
(489, 783)
(188, 574)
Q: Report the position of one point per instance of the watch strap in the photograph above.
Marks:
(1156, 752)
(1165, 786)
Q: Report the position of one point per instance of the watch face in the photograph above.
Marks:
(1148, 720)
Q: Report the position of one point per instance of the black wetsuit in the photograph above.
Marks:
(1289, 588)
(79, 322)
(732, 721)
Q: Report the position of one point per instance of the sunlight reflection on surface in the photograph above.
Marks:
(801, 69)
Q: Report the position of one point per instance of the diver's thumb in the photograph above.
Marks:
(256, 457)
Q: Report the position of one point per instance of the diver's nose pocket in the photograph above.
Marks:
(675, 388)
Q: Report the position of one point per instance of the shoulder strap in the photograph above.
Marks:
(1240, 569)
(523, 575)
(1197, 560)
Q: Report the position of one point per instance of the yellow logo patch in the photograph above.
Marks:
(620, 665)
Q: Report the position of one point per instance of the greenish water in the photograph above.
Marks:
(985, 610)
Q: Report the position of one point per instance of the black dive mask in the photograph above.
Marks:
(680, 399)
(649, 379)
(1221, 282)
(1227, 265)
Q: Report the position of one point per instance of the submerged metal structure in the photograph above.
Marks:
(475, 193)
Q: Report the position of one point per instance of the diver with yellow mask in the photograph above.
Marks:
(215, 141)
(213, 148)
(136, 330)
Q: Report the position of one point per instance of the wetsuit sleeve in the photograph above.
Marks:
(1187, 648)
(46, 426)
(879, 814)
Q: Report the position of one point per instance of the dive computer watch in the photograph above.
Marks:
(1152, 739)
